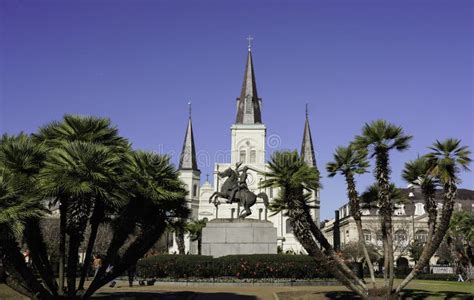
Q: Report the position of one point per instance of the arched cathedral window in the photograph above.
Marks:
(253, 156)
(242, 156)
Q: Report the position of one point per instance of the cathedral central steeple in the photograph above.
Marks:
(248, 107)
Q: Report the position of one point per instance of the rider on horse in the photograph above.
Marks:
(241, 184)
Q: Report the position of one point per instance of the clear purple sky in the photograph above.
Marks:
(140, 62)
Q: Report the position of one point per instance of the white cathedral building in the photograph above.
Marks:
(248, 145)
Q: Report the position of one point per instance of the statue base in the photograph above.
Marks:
(223, 237)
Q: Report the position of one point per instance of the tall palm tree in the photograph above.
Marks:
(85, 173)
(294, 179)
(85, 129)
(446, 160)
(195, 232)
(349, 162)
(379, 138)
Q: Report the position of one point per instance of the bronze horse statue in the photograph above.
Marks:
(245, 197)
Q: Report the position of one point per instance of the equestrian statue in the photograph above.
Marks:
(235, 190)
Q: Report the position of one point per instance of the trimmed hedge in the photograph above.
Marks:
(239, 266)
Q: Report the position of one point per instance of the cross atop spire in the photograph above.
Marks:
(187, 160)
(248, 108)
(250, 39)
(307, 149)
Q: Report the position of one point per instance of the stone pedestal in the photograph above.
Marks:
(223, 237)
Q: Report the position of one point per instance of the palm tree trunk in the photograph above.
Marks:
(124, 226)
(135, 251)
(370, 266)
(355, 212)
(62, 242)
(23, 278)
(199, 245)
(72, 261)
(383, 182)
(329, 249)
(95, 222)
(301, 230)
(449, 197)
(180, 240)
(39, 255)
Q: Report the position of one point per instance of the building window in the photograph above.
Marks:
(367, 235)
(401, 235)
(421, 236)
(195, 188)
(260, 212)
(379, 236)
(365, 212)
(419, 209)
(232, 213)
(243, 155)
(253, 156)
(288, 226)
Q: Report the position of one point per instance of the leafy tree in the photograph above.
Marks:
(349, 162)
(460, 238)
(354, 252)
(295, 179)
(416, 249)
(379, 138)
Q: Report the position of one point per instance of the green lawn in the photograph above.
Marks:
(418, 289)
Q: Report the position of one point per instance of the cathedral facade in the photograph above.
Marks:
(248, 142)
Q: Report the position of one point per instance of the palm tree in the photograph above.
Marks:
(85, 173)
(23, 158)
(379, 138)
(157, 198)
(19, 208)
(85, 129)
(294, 179)
(195, 232)
(446, 160)
(349, 162)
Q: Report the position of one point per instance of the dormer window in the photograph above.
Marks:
(419, 209)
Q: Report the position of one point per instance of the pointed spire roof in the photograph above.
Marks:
(307, 149)
(248, 108)
(187, 161)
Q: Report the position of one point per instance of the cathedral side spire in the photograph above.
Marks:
(187, 159)
(248, 108)
(307, 149)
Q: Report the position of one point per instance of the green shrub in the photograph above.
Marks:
(240, 266)
(447, 277)
(175, 266)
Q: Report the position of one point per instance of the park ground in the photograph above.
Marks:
(418, 289)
